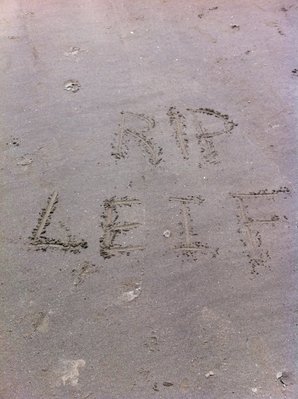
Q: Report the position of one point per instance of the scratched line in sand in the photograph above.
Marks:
(120, 150)
(252, 240)
(111, 229)
(190, 246)
(39, 238)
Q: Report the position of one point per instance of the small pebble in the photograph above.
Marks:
(73, 51)
(167, 233)
(278, 375)
(209, 374)
(155, 388)
(25, 162)
(284, 378)
(72, 85)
